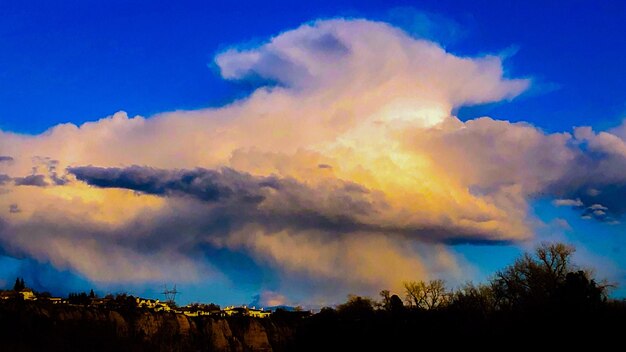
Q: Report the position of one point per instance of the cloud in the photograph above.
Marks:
(346, 172)
(204, 184)
(4, 179)
(336, 55)
(269, 299)
(334, 204)
(14, 208)
(72, 239)
(567, 202)
(31, 180)
(5, 159)
(597, 175)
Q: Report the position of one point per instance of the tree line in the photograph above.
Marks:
(546, 277)
(542, 297)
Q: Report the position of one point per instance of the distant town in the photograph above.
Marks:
(21, 292)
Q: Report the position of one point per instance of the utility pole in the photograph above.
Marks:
(170, 295)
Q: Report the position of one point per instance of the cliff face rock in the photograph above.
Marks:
(121, 326)
(186, 327)
(148, 325)
(252, 335)
(65, 327)
(220, 336)
(255, 337)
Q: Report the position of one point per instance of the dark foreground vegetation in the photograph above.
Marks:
(538, 302)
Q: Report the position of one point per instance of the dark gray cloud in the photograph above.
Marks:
(261, 198)
(4, 179)
(236, 198)
(31, 180)
(14, 208)
(206, 185)
(51, 168)
(5, 159)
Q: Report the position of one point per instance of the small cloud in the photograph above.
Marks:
(567, 202)
(324, 166)
(593, 192)
(596, 211)
(4, 179)
(268, 299)
(562, 224)
(599, 212)
(14, 209)
(51, 165)
(32, 180)
(6, 159)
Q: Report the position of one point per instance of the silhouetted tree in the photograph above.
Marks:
(395, 304)
(389, 302)
(425, 295)
(578, 291)
(543, 279)
(385, 302)
(19, 284)
(78, 298)
(474, 299)
(125, 302)
(356, 307)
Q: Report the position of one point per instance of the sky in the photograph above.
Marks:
(289, 153)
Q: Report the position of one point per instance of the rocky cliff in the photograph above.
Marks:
(36, 326)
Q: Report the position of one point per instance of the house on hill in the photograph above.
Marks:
(196, 309)
(153, 304)
(245, 311)
(28, 294)
(56, 300)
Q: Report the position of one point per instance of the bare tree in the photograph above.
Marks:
(532, 278)
(555, 258)
(477, 299)
(385, 299)
(425, 295)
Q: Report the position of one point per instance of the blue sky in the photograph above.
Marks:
(75, 61)
(79, 61)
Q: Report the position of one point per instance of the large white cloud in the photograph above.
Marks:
(347, 159)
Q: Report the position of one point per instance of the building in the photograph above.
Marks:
(191, 312)
(245, 311)
(28, 294)
(197, 309)
(259, 313)
(153, 304)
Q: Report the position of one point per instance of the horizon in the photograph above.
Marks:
(411, 288)
(291, 155)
